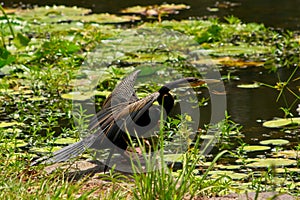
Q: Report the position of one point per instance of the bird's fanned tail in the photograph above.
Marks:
(70, 151)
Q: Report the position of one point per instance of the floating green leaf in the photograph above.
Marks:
(37, 99)
(231, 174)
(44, 149)
(21, 40)
(173, 157)
(8, 124)
(287, 154)
(155, 10)
(249, 86)
(106, 18)
(267, 162)
(65, 141)
(14, 143)
(78, 96)
(6, 57)
(256, 148)
(229, 167)
(282, 122)
(238, 50)
(51, 14)
(290, 169)
(274, 142)
(22, 92)
(102, 93)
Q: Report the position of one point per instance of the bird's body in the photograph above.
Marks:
(121, 112)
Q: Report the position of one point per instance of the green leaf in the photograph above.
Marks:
(8, 124)
(6, 57)
(282, 122)
(231, 174)
(21, 40)
(256, 148)
(78, 96)
(249, 86)
(14, 143)
(287, 154)
(37, 98)
(65, 141)
(267, 162)
(274, 142)
(51, 14)
(44, 149)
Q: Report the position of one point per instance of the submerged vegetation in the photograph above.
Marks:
(52, 58)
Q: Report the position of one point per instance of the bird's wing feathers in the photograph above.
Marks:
(138, 107)
(123, 94)
(124, 91)
(134, 111)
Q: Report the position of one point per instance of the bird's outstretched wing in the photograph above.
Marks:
(111, 130)
(123, 94)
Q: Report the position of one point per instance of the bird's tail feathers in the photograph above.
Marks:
(68, 152)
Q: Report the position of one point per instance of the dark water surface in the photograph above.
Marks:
(274, 13)
(250, 106)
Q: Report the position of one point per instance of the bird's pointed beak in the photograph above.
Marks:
(198, 82)
(211, 81)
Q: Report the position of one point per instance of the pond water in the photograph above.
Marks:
(274, 13)
(250, 106)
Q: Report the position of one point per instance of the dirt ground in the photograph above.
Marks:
(81, 168)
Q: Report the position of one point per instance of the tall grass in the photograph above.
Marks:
(160, 182)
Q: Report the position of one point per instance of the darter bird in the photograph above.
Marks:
(122, 112)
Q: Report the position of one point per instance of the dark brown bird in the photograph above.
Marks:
(122, 112)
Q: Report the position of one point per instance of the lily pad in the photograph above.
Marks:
(102, 93)
(22, 92)
(37, 98)
(12, 158)
(8, 124)
(13, 130)
(77, 96)
(256, 148)
(232, 62)
(281, 122)
(44, 149)
(156, 10)
(52, 14)
(14, 143)
(208, 137)
(284, 170)
(6, 91)
(249, 86)
(173, 157)
(274, 142)
(231, 174)
(106, 18)
(287, 154)
(65, 141)
(259, 163)
(238, 50)
(229, 167)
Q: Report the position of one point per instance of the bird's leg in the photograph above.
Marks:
(108, 159)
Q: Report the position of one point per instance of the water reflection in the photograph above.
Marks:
(275, 13)
(246, 106)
